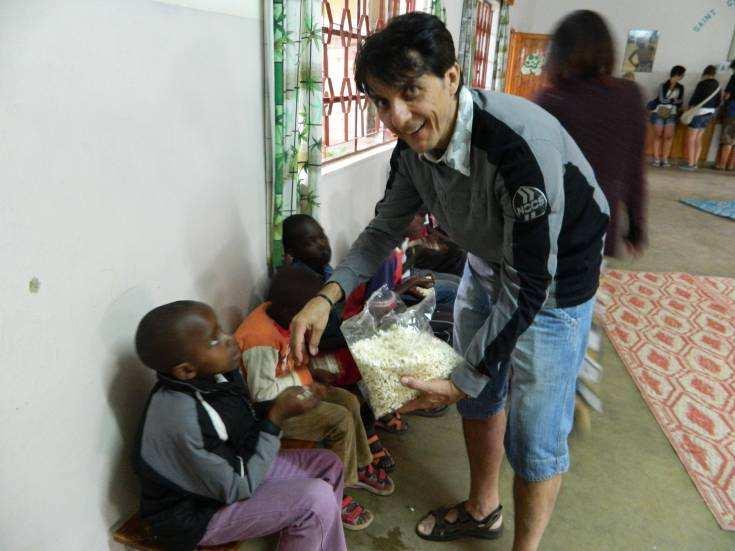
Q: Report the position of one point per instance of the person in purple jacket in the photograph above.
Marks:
(606, 118)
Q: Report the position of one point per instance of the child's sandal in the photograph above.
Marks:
(382, 458)
(375, 481)
(392, 423)
(354, 515)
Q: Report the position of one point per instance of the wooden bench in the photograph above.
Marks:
(135, 534)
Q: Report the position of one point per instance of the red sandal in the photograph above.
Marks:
(375, 481)
(354, 515)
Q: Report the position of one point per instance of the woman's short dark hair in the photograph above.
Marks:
(409, 46)
(677, 71)
(581, 46)
(732, 65)
(709, 71)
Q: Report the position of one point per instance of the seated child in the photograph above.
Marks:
(306, 244)
(429, 248)
(264, 339)
(210, 469)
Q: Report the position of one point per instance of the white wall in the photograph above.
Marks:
(348, 194)
(679, 43)
(131, 166)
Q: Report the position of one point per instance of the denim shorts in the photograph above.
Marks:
(536, 386)
(656, 119)
(701, 121)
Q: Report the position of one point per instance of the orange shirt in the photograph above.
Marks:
(266, 354)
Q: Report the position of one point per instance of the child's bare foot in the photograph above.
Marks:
(375, 481)
(354, 515)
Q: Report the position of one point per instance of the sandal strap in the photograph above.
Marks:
(464, 519)
(465, 516)
(353, 512)
(349, 504)
(491, 518)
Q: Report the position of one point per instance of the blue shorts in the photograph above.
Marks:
(655, 119)
(701, 121)
(536, 386)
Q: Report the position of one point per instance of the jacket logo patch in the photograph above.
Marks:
(529, 203)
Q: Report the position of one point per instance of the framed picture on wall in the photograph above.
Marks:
(640, 51)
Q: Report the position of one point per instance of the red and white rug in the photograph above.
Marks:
(675, 333)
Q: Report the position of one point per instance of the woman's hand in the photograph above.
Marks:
(434, 393)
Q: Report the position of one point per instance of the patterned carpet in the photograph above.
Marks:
(676, 336)
(726, 209)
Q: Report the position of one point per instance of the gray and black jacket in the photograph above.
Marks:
(199, 447)
(515, 191)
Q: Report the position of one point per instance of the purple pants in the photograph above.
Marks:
(301, 497)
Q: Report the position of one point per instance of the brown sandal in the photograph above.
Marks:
(392, 423)
(464, 527)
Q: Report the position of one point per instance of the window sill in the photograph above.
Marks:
(344, 162)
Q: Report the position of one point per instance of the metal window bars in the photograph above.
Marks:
(351, 122)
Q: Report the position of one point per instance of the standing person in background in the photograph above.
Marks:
(666, 107)
(707, 89)
(726, 160)
(604, 115)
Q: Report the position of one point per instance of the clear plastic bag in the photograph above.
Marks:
(388, 341)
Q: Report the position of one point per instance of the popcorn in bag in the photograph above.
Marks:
(389, 341)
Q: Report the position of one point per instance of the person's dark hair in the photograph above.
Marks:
(157, 339)
(732, 65)
(291, 288)
(409, 46)
(709, 71)
(581, 46)
(677, 71)
(293, 227)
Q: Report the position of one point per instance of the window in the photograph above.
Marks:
(351, 121)
(484, 46)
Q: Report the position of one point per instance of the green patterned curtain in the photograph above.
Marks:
(437, 8)
(501, 50)
(296, 100)
(467, 40)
